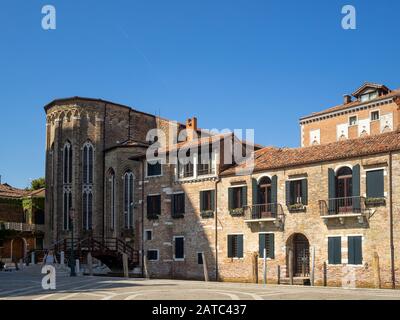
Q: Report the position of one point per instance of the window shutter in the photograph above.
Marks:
(173, 207)
(202, 193)
(356, 188)
(213, 200)
(274, 194)
(230, 198)
(240, 246)
(288, 193)
(355, 250)
(158, 205)
(331, 190)
(331, 248)
(149, 210)
(338, 250)
(244, 196)
(230, 246)
(271, 243)
(261, 244)
(254, 191)
(375, 184)
(304, 191)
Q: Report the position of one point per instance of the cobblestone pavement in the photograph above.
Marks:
(20, 286)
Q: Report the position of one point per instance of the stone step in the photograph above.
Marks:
(298, 281)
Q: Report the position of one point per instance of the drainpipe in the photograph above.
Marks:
(216, 229)
(392, 265)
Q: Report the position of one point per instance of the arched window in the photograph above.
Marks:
(128, 199)
(67, 163)
(344, 189)
(88, 163)
(87, 202)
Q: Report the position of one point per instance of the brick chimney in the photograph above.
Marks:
(191, 128)
(346, 99)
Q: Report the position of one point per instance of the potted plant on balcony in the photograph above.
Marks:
(297, 207)
(375, 202)
(237, 212)
(207, 214)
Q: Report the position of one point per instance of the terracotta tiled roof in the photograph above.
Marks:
(274, 158)
(40, 193)
(352, 104)
(6, 191)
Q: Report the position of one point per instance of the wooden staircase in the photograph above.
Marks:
(108, 250)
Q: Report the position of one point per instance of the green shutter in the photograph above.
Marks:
(230, 199)
(356, 188)
(213, 200)
(271, 243)
(202, 201)
(244, 196)
(230, 246)
(274, 194)
(254, 191)
(261, 244)
(172, 204)
(331, 191)
(355, 250)
(288, 193)
(240, 246)
(375, 184)
(304, 191)
(334, 250)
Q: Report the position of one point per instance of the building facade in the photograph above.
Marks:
(326, 212)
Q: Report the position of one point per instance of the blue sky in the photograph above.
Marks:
(234, 64)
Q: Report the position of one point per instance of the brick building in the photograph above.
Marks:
(327, 210)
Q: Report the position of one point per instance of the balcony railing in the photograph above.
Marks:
(344, 207)
(265, 212)
(205, 169)
(23, 227)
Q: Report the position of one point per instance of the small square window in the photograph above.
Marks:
(152, 255)
(154, 170)
(200, 258)
(149, 235)
(353, 120)
(374, 115)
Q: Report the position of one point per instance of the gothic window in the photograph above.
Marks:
(87, 163)
(67, 163)
(67, 205)
(128, 199)
(111, 191)
(87, 201)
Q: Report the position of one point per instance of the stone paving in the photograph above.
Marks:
(22, 286)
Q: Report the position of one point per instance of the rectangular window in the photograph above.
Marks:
(334, 250)
(152, 255)
(205, 164)
(178, 205)
(237, 197)
(148, 235)
(179, 248)
(207, 200)
(199, 258)
(154, 169)
(153, 206)
(235, 246)
(297, 192)
(375, 184)
(267, 241)
(186, 170)
(353, 120)
(354, 249)
(374, 115)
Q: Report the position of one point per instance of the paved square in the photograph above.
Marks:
(21, 286)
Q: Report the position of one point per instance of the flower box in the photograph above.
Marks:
(375, 202)
(238, 212)
(297, 207)
(207, 214)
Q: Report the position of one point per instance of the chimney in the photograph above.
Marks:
(191, 128)
(347, 99)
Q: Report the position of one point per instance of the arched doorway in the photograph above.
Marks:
(300, 247)
(18, 249)
(344, 189)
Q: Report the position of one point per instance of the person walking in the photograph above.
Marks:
(49, 258)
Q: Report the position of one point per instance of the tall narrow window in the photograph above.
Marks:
(67, 205)
(67, 163)
(87, 163)
(87, 201)
(128, 199)
(112, 200)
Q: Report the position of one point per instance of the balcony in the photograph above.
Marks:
(264, 213)
(22, 227)
(344, 208)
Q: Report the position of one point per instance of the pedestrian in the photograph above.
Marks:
(49, 258)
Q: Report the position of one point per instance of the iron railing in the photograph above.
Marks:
(347, 205)
(264, 211)
(23, 227)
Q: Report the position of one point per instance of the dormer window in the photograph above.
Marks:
(369, 96)
(353, 121)
(374, 115)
